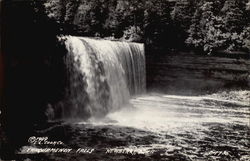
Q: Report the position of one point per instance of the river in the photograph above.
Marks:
(159, 127)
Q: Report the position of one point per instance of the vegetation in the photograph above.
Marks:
(204, 25)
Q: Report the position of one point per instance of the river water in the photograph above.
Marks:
(158, 127)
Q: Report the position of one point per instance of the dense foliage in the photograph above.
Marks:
(204, 25)
(207, 25)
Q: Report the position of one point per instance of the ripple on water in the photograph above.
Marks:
(164, 127)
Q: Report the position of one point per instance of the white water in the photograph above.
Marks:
(171, 113)
(102, 75)
(179, 117)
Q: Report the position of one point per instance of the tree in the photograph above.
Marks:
(182, 13)
(204, 24)
(233, 16)
(113, 20)
(195, 38)
(55, 9)
(245, 37)
(235, 19)
(206, 32)
(90, 17)
(70, 10)
(158, 27)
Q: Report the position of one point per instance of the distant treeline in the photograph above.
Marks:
(203, 25)
(206, 25)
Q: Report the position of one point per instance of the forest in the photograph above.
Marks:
(203, 25)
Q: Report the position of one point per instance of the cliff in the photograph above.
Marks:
(189, 73)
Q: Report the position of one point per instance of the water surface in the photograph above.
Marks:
(162, 127)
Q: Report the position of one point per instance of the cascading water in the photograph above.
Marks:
(102, 75)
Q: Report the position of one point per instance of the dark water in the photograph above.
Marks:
(157, 127)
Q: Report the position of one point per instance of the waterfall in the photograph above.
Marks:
(102, 75)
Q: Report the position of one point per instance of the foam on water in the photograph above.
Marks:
(165, 113)
(185, 119)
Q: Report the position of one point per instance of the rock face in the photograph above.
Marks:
(188, 73)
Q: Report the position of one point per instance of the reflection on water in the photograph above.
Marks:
(162, 127)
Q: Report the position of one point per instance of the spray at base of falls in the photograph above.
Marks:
(102, 75)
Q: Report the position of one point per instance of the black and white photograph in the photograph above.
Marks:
(125, 80)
